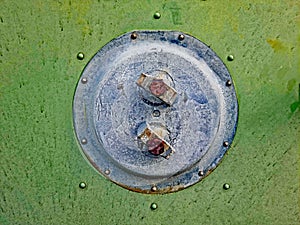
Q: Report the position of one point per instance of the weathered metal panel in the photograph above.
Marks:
(41, 165)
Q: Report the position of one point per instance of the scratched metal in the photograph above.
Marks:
(110, 109)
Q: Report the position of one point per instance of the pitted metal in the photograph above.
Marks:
(189, 108)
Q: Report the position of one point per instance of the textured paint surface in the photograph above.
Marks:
(41, 165)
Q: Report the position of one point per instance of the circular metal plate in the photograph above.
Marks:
(111, 109)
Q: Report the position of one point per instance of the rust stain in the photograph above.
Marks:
(165, 190)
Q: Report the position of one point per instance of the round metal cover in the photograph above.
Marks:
(155, 111)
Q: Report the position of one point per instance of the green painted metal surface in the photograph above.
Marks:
(41, 165)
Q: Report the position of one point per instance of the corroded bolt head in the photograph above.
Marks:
(155, 146)
(158, 87)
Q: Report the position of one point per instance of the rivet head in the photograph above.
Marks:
(200, 173)
(156, 15)
(228, 83)
(153, 188)
(226, 186)
(84, 80)
(153, 206)
(230, 58)
(134, 35)
(225, 143)
(80, 56)
(156, 113)
(83, 141)
(82, 185)
(107, 172)
(180, 37)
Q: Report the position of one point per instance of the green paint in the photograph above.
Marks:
(41, 164)
(296, 105)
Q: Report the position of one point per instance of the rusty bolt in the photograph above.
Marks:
(155, 146)
(158, 87)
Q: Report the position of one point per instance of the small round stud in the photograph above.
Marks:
(107, 172)
(133, 35)
(226, 186)
(82, 185)
(153, 206)
(200, 173)
(228, 83)
(180, 37)
(153, 188)
(230, 58)
(84, 80)
(225, 143)
(83, 141)
(156, 15)
(156, 113)
(80, 56)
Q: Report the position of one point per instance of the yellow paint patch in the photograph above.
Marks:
(275, 44)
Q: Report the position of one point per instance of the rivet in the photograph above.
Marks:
(83, 141)
(225, 144)
(226, 186)
(153, 188)
(228, 83)
(80, 56)
(156, 113)
(156, 15)
(82, 185)
(107, 172)
(84, 80)
(230, 58)
(180, 37)
(133, 35)
(153, 206)
(200, 173)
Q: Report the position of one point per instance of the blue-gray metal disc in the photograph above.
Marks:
(110, 110)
